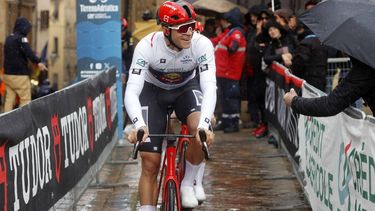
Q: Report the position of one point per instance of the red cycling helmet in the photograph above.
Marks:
(175, 13)
(198, 27)
(124, 24)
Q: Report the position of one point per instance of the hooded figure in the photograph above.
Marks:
(17, 51)
(229, 57)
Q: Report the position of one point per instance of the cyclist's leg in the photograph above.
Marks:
(187, 108)
(148, 181)
(155, 118)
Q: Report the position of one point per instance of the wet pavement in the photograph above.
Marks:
(244, 173)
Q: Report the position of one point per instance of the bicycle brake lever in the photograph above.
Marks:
(202, 135)
(140, 134)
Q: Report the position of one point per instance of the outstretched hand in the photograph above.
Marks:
(42, 66)
(288, 97)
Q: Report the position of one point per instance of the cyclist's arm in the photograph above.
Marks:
(135, 84)
(207, 75)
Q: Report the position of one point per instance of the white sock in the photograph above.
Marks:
(148, 208)
(190, 173)
(199, 176)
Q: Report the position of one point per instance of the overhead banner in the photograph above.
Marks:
(337, 156)
(99, 41)
(48, 145)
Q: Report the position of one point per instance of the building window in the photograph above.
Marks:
(55, 46)
(44, 19)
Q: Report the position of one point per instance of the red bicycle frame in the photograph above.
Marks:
(169, 165)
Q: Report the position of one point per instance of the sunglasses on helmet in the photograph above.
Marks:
(184, 28)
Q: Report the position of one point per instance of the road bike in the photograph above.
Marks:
(173, 165)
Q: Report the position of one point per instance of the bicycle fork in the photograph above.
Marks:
(170, 172)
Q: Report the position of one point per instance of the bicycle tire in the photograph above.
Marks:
(182, 161)
(170, 204)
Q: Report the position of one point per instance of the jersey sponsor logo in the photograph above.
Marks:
(203, 67)
(136, 71)
(171, 77)
(202, 58)
(186, 59)
(141, 62)
(135, 120)
(163, 61)
(198, 97)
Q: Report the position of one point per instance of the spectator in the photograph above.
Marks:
(259, 45)
(229, 56)
(17, 74)
(310, 58)
(310, 4)
(281, 46)
(209, 28)
(127, 48)
(358, 83)
(283, 17)
(252, 61)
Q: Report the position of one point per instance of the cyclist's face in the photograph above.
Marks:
(182, 40)
(181, 36)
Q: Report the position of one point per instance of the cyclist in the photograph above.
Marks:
(175, 67)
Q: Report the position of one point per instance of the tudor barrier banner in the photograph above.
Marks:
(279, 81)
(337, 156)
(49, 144)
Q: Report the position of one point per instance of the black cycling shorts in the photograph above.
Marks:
(157, 102)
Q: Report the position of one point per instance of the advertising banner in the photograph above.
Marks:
(99, 42)
(48, 145)
(337, 157)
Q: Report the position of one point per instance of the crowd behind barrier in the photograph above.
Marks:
(50, 147)
(332, 156)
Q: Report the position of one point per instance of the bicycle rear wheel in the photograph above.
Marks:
(170, 202)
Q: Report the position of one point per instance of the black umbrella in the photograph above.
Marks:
(347, 25)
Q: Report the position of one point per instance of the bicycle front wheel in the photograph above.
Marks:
(182, 161)
(170, 202)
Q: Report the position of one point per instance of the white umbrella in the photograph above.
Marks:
(212, 7)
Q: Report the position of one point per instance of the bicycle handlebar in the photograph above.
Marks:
(141, 132)
(202, 135)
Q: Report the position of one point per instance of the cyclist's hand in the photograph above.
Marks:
(209, 136)
(132, 137)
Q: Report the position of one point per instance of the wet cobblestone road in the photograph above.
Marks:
(244, 174)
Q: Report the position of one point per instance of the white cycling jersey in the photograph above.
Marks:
(154, 62)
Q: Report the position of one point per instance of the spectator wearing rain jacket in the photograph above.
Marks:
(17, 51)
(229, 55)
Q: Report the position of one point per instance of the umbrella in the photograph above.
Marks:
(215, 7)
(345, 25)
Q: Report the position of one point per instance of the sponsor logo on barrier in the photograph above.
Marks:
(62, 143)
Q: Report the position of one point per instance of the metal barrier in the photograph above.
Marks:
(338, 68)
